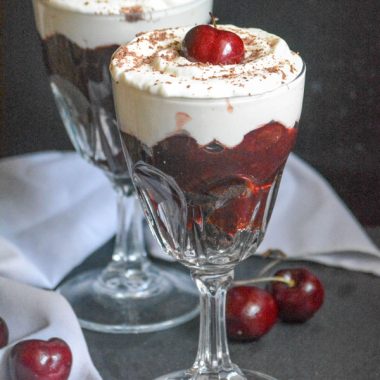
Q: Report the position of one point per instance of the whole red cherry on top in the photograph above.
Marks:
(299, 302)
(208, 44)
(4, 333)
(40, 360)
(250, 312)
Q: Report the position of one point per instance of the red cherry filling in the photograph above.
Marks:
(40, 360)
(297, 303)
(229, 197)
(208, 44)
(251, 312)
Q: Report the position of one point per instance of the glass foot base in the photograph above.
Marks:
(132, 303)
(243, 375)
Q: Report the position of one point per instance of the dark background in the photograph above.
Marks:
(339, 40)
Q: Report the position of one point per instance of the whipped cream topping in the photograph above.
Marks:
(159, 93)
(114, 7)
(91, 23)
(153, 62)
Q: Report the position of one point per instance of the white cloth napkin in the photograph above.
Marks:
(311, 222)
(32, 313)
(55, 209)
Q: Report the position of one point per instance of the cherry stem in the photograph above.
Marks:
(289, 282)
(214, 20)
(277, 255)
(269, 266)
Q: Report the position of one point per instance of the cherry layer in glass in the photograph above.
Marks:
(78, 39)
(206, 145)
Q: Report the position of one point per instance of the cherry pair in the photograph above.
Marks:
(295, 297)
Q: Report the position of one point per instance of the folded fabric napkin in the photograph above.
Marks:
(311, 222)
(55, 209)
(33, 313)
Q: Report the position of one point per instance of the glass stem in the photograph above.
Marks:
(128, 273)
(129, 243)
(213, 355)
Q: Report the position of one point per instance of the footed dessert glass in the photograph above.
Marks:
(77, 47)
(209, 205)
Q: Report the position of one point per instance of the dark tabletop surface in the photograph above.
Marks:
(340, 136)
(341, 341)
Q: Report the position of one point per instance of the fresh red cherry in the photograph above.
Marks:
(40, 360)
(251, 312)
(4, 333)
(208, 44)
(299, 302)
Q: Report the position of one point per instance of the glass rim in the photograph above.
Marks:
(155, 13)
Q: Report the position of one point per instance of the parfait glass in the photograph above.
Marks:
(209, 205)
(77, 48)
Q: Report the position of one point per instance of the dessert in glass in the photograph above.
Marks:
(206, 145)
(78, 38)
